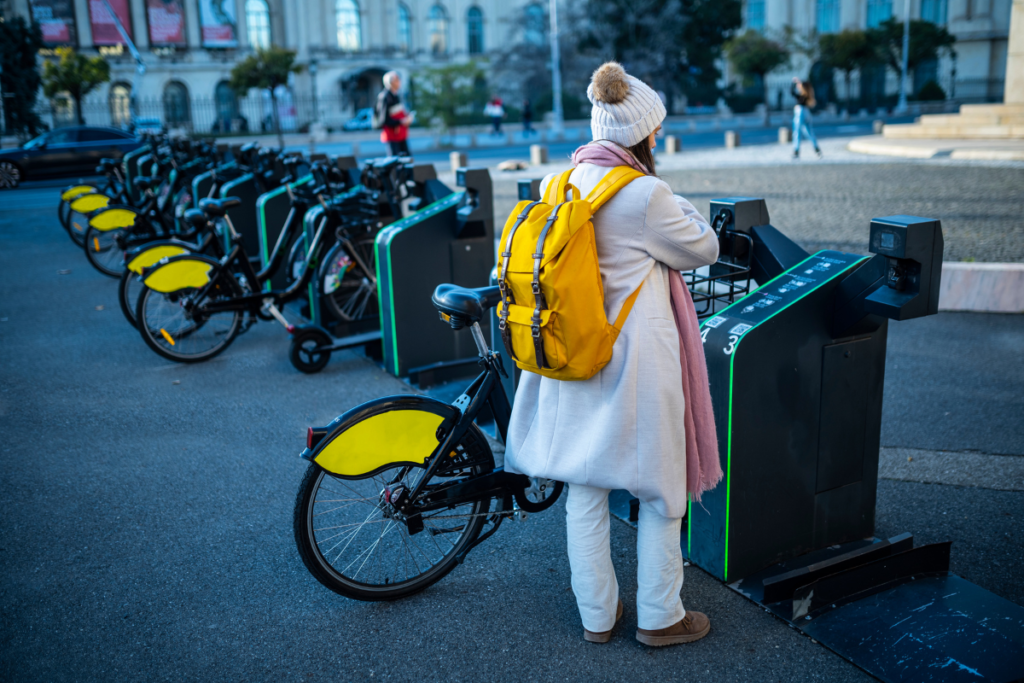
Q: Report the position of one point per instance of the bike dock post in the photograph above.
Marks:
(272, 210)
(449, 240)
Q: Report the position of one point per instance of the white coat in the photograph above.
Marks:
(623, 427)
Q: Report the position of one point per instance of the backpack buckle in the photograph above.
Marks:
(535, 331)
(536, 287)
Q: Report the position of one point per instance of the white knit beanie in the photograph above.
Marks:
(625, 109)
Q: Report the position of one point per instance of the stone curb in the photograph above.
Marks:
(951, 468)
(982, 287)
(910, 148)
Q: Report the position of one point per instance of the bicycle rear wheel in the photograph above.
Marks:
(351, 543)
(128, 294)
(173, 325)
(103, 251)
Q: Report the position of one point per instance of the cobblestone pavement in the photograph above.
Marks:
(829, 203)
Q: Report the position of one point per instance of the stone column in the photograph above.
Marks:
(1014, 89)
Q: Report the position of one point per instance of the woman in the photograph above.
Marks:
(624, 427)
(495, 110)
(803, 92)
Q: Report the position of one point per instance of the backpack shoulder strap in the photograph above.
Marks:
(556, 188)
(617, 178)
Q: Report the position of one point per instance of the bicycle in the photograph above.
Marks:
(399, 489)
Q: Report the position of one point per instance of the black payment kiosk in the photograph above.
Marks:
(450, 239)
(796, 372)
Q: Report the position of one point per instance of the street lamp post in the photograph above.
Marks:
(901, 106)
(556, 73)
(316, 98)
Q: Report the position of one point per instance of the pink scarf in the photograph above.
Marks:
(703, 469)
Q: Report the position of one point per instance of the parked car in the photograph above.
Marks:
(363, 120)
(75, 150)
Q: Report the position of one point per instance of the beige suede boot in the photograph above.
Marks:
(603, 636)
(694, 626)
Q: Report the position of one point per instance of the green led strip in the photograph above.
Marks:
(393, 230)
(732, 362)
(261, 206)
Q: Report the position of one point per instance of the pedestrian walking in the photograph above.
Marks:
(391, 117)
(803, 91)
(527, 117)
(630, 425)
(496, 112)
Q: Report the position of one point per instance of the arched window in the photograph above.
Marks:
(534, 28)
(120, 105)
(878, 11)
(475, 26)
(828, 16)
(257, 23)
(404, 29)
(227, 103)
(177, 111)
(755, 14)
(934, 11)
(346, 13)
(437, 25)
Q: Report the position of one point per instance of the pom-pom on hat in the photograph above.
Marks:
(625, 110)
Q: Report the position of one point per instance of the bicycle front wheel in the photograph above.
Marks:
(174, 325)
(346, 289)
(352, 543)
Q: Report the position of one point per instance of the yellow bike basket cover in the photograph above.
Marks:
(113, 219)
(88, 203)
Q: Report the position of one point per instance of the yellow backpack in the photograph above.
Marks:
(551, 316)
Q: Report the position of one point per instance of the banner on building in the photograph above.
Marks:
(166, 19)
(104, 30)
(56, 19)
(219, 20)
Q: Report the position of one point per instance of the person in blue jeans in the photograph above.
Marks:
(803, 92)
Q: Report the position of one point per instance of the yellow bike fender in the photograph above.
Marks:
(88, 203)
(113, 219)
(76, 191)
(178, 274)
(384, 433)
(150, 256)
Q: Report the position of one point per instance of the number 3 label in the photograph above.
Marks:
(733, 338)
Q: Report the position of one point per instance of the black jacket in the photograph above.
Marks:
(801, 96)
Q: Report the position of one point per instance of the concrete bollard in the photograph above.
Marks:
(458, 160)
(877, 125)
(785, 135)
(732, 139)
(538, 155)
(673, 145)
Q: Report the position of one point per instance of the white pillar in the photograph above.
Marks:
(1014, 88)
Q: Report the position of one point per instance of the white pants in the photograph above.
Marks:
(659, 562)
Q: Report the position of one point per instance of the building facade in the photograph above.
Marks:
(345, 46)
(977, 72)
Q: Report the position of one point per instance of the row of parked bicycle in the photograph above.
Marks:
(190, 283)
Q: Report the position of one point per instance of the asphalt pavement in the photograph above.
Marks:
(146, 532)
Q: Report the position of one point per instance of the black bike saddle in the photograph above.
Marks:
(466, 305)
(218, 207)
(195, 218)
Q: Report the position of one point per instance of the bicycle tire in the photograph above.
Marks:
(78, 223)
(159, 344)
(352, 296)
(322, 569)
(63, 213)
(103, 252)
(128, 289)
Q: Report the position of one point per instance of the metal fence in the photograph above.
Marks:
(215, 116)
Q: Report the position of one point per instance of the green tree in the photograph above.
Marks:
(19, 78)
(847, 51)
(266, 70)
(671, 44)
(926, 41)
(74, 74)
(755, 54)
(445, 93)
